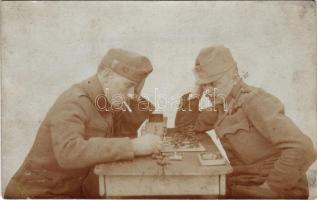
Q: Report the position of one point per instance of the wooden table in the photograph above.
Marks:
(144, 177)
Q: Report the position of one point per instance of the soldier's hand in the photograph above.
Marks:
(146, 144)
(138, 89)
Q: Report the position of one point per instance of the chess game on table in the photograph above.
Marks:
(182, 141)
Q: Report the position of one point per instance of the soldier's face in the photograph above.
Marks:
(218, 90)
(118, 89)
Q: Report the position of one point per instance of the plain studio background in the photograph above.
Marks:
(48, 46)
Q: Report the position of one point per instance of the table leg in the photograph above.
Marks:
(222, 184)
(102, 188)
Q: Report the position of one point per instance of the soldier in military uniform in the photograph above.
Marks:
(88, 124)
(268, 152)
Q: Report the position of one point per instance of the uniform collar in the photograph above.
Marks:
(236, 90)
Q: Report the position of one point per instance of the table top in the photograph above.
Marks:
(147, 166)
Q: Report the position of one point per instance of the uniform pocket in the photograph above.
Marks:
(250, 146)
(232, 124)
(244, 139)
(35, 176)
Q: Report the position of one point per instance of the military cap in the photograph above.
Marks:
(131, 65)
(212, 63)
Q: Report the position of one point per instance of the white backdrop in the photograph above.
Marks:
(48, 46)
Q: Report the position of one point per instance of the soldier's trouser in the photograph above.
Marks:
(245, 180)
(90, 187)
(247, 186)
(18, 190)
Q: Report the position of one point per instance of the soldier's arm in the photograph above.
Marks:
(189, 114)
(71, 149)
(127, 123)
(266, 113)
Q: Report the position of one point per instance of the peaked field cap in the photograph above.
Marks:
(131, 65)
(211, 63)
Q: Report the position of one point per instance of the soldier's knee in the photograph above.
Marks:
(13, 191)
(90, 186)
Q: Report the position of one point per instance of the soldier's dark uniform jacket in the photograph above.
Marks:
(73, 137)
(261, 142)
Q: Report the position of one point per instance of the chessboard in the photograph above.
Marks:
(184, 140)
(185, 146)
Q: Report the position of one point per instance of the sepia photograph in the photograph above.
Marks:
(158, 100)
